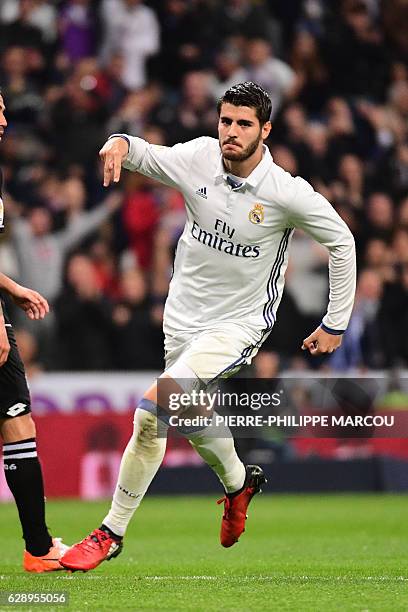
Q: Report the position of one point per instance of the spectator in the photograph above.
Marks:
(403, 214)
(41, 252)
(351, 174)
(352, 33)
(313, 80)
(393, 319)
(84, 319)
(76, 118)
(267, 364)
(379, 218)
(109, 83)
(140, 218)
(135, 111)
(228, 70)
(41, 14)
(194, 115)
(190, 31)
(242, 18)
(317, 167)
(22, 32)
(362, 345)
(132, 29)
(24, 103)
(271, 73)
(342, 131)
(28, 349)
(77, 29)
(137, 335)
(379, 257)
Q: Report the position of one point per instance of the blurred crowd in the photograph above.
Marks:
(74, 71)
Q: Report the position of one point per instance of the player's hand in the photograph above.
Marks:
(4, 343)
(34, 305)
(113, 152)
(320, 342)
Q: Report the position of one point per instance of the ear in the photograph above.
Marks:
(266, 128)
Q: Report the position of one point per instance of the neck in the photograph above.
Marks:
(243, 168)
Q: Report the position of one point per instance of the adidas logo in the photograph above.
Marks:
(112, 549)
(202, 191)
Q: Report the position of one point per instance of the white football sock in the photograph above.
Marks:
(140, 462)
(221, 456)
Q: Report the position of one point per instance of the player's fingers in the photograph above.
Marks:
(315, 349)
(308, 342)
(42, 304)
(42, 308)
(117, 161)
(34, 311)
(107, 170)
(311, 345)
(38, 303)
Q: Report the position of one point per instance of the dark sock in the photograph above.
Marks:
(24, 478)
(110, 533)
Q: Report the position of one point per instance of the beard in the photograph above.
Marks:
(243, 155)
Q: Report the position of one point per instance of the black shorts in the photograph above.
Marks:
(14, 393)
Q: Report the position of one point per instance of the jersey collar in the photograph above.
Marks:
(257, 174)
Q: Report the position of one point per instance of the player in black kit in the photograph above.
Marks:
(21, 465)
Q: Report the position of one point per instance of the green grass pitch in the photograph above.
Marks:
(317, 553)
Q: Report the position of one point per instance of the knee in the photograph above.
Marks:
(18, 428)
(148, 433)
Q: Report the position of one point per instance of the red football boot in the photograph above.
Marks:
(235, 507)
(89, 553)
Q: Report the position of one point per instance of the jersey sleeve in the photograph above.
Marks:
(312, 213)
(169, 165)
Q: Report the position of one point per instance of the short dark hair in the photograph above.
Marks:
(248, 94)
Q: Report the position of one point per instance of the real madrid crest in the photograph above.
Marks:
(256, 214)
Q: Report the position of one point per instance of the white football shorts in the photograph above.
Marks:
(212, 354)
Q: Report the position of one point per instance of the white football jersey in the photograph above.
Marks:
(232, 256)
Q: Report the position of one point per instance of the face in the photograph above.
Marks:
(80, 272)
(40, 221)
(133, 286)
(240, 133)
(3, 122)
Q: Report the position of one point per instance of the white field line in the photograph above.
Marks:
(274, 578)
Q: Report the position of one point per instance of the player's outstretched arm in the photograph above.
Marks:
(113, 153)
(34, 305)
(320, 342)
